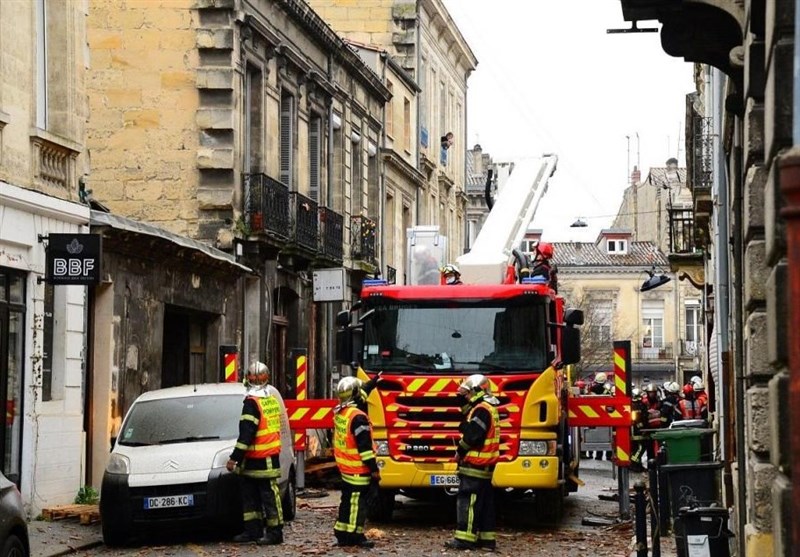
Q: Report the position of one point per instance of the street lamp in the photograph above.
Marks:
(654, 281)
(579, 223)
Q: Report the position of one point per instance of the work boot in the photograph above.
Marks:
(365, 543)
(489, 546)
(459, 544)
(245, 537)
(274, 536)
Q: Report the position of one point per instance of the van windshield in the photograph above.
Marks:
(185, 419)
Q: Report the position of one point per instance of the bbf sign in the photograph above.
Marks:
(73, 258)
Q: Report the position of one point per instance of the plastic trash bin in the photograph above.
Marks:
(702, 532)
(691, 485)
(683, 444)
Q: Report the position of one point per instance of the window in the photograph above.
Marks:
(390, 110)
(254, 120)
(692, 335)
(338, 164)
(357, 173)
(287, 140)
(407, 129)
(373, 179)
(12, 341)
(619, 247)
(422, 97)
(601, 317)
(652, 327)
(53, 73)
(314, 156)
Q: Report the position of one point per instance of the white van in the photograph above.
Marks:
(167, 466)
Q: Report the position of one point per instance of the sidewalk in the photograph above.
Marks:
(62, 537)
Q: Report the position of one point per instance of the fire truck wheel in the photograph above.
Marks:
(289, 499)
(381, 507)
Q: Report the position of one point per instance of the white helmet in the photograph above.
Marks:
(600, 377)
(349, 390)
(698, 386)
(451, 273)
(636, 393)
(673, 388)
(473, 384)
(257, 375)
(695, 379)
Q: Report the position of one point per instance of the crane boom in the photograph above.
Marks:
(504, 228)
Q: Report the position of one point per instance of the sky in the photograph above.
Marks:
(550, 79)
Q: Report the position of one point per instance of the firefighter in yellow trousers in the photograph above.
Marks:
(355, 457)
(256, 458)
(477, 454)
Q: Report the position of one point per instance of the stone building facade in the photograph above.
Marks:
(43, 327)
(741, 161)
(425, 41)
(253, 128)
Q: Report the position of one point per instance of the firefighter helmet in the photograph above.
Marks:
(695, 379)
(673, 388)
(688, 389)
(451, 273)
(349, 390)
(258, 374)
(545, 249)
(699, 386)
(636, 393)
(600, 377)
(651, 388)
(473, 384)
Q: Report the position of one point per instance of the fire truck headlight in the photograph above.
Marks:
(382, 448)
(532, 448)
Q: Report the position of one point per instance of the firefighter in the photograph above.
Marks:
(542, 266)
(477, 453)
(654, 419)
(355, 457)
(600, 384)
(700, 393)
(669, 406)
(690, 407)
(256, 458)
(451, 274)
(639, 422)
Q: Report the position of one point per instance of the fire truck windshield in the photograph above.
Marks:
(457, 336)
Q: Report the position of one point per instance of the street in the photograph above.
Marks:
(421, 528)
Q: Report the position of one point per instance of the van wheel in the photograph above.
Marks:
(380, 507)
(13, 547)
(289, 500)
(113, 536)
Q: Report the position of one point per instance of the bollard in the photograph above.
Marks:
(664, 512)
(624, 494)
(640, 503)
(655, 529)
(300, 477)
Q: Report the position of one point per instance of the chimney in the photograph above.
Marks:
(636, 175)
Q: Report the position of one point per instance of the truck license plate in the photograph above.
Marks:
(168, 501)
(444, 480)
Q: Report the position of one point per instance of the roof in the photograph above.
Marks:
(99, 218)
(203, 389)
(587, 254)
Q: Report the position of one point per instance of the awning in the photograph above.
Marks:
(99, 218)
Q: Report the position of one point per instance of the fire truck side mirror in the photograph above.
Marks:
(573, 317)
(343, 318)
(344, 346)
(570, 346)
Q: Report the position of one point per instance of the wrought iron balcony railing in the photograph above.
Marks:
(362, 238)
(646, 351)
(304, 221)
(681, 231)
(266, 205)
(702, 152)
(331, 236)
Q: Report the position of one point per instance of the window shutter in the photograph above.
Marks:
(314, 155)
(286, 140)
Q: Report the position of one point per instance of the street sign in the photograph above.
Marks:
(329, 285)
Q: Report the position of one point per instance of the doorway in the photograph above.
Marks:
(12, 340)
(183, 360)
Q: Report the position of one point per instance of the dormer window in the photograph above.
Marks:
(617, 247)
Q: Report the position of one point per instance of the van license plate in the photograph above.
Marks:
(446, 480)
(168, 501)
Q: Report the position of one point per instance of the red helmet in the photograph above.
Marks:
(688, 389)
(580, 383)
(545, 249)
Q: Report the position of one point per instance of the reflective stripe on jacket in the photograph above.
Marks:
(345, 449)
(267, 441)
(488, 454)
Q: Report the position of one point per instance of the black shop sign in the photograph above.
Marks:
(73, 258)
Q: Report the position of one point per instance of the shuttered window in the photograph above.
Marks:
(314, 154)
(287, 139)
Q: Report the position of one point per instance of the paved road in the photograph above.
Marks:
(420, 529)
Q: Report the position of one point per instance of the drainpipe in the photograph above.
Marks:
(418, 40)
(329, 324)
(738, 344)
(381, 171)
